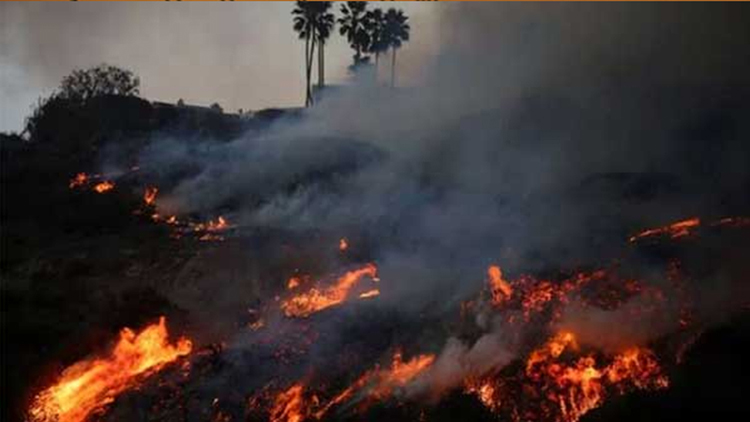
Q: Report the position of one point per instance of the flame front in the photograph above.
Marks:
(560, 384)
(380, 383)
(289, 405)
(91, 384)
(674, 230)
(149, 196)
(104, 186)
(500, 290)
(315, 300)
(80, 179)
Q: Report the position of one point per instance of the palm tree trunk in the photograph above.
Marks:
(307, 70)
(393, 68)
(321, 68)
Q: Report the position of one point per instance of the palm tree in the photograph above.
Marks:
(395, 32)
(353, 25)
(323, 25)
(304, 21)
(375, 24)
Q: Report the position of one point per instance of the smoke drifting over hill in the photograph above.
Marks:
(540, 140)
(522, 118)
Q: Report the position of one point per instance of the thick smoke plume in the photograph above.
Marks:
(535, 138)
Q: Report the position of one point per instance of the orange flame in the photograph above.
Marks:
(104, 186)
(674, 230)
(369, 293)
(91, 384)
(574, 387)
(79, 180)
(379, 384)
(343, 244)
(289, 405)
(401, 373)
(149, 196)
(550, 350)
(639, 367)
(499, 288)
(293, 283)
(315, 300)
(485, 392)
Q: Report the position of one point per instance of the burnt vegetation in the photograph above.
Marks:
(87, 249)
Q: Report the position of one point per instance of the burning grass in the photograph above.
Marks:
(555, 373)
(317, 299)
(88, 386)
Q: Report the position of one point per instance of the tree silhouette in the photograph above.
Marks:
(303, 24)
(395, 32)
(375, 24)
(78, 88)
(312, 22)
(323, 25)
(353, 25)
(84, 84)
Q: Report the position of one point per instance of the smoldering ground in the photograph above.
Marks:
(539, 139)
(536, 132)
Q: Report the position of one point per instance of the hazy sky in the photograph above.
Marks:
(242, 55)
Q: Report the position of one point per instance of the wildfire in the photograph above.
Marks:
(289, 405)
(293, 283)
(104, 186)
(400, 373)
(213, 226)
(560, 384)
(639, 367)
(91, 384)
(485, 392)
(315, 300)
(674, 230)
(380, 383)
(149, 196)
(550, 350)
(79, 180)
(499, 288)
(369, 293)
(343, 244)
(82, 179)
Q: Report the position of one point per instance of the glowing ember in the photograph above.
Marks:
(559, 384)
(149, 196)
(401, 373)
(485, 392)
(104, 186)
(343, 244)
(499, 288)
(315, 300)
(674, 230)
(79, 180)
(379, 384)
(293, 283)
(91, 384)
(639, 367)
(289, 405)
(550, 350)
(369, 293)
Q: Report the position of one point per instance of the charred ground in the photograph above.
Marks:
(78, 266)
